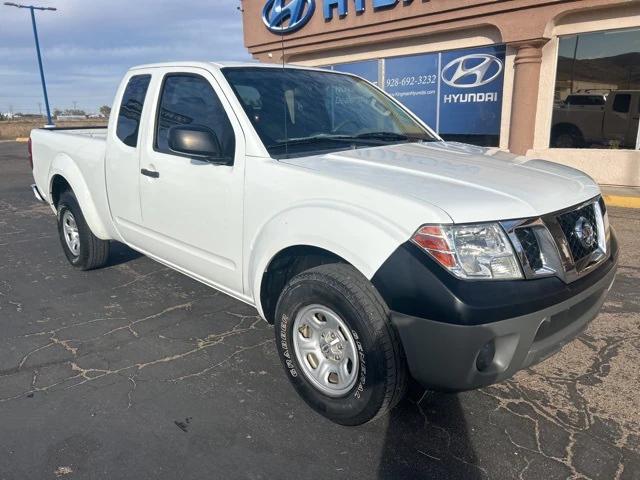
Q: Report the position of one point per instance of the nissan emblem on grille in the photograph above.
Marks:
(585, 232)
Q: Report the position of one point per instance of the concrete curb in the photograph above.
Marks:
(22, 139)
(622, 201)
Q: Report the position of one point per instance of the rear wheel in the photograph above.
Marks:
(567, 137)
(82, 248)
(339, 349)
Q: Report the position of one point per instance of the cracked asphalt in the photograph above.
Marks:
(136, 371)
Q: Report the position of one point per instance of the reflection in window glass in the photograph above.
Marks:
(131, 109)
(621, 103)
(597, 85)
(190, 100)
(304, 112)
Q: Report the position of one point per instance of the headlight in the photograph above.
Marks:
(480, 251)
(602, 219)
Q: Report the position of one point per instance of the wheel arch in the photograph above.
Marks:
(65, 175)
(309, 236)
(286, 264)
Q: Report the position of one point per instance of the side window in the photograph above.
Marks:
(190, 100)
(131, 109)
(621, 103)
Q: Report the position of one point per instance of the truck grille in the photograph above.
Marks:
(569, 221)
(566, 244)
(530, 247)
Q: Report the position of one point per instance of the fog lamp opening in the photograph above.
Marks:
(486, 356)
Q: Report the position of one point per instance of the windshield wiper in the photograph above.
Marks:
(312, 140)
(393, 136)
(368, 138)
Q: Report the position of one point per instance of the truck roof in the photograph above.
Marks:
(219, 65)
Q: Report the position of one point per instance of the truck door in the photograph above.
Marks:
(617, 118)
(122, 162)
(192, 209)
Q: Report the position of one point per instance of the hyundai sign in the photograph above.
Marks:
(456, 93)
(285, 16)
(471, 91)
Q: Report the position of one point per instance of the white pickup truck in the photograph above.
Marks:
(376, 249)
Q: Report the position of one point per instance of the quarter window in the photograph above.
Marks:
(131, 109)
(190, 100)
(621, 103)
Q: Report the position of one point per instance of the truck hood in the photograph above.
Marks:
(471, 184)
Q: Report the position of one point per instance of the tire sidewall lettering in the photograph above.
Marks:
(284, 344)
(363, 366)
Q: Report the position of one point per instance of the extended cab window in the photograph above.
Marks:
(131, 109)
(621, 103)
(190, 100)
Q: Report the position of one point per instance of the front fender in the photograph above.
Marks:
(64, 166)
(361, 237)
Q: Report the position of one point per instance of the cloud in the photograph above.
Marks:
(88, 45)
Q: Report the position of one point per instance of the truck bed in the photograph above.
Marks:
(80, 153)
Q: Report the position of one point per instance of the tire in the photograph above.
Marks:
(89, 251)
(380, 370)
(569, 138)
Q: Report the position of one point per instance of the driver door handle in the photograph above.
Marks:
(150, 173)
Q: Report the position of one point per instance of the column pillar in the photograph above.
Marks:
(526, 81)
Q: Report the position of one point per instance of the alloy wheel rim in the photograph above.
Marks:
(325, 350)
(71, 234)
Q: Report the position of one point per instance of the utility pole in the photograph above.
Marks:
(32, 9)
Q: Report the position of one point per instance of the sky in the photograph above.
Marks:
(87, 45)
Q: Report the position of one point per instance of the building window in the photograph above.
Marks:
(597, 92)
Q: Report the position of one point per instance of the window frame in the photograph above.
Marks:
(144, 103)
(154, 141)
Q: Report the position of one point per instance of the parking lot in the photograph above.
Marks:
(136, 371)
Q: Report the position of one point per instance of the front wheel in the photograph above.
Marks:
(339, 349)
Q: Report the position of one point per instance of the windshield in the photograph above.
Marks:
(304, 112)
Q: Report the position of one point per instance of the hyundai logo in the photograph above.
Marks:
(585, 232)
(281, 16)
(472, 70)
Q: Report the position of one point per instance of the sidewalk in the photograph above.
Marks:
(628, 197)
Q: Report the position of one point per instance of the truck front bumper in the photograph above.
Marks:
(449, 355)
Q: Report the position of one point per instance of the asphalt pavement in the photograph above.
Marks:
(136, 371)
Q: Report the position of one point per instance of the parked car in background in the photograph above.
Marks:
(584, 120)
(376, 249)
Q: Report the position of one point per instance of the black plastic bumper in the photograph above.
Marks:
(519, 323)
(413, 284)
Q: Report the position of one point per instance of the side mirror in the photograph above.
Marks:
(196, 141)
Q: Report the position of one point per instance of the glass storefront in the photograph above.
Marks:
(457, 93)
(597, 91)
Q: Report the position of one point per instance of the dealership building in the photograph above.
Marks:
(558, 80)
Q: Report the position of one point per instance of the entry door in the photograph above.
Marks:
(122, 164)
(192, 210)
